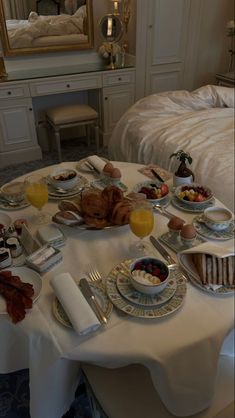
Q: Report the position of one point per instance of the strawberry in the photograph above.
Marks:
(164, 189)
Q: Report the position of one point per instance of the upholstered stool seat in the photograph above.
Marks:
(61, 117)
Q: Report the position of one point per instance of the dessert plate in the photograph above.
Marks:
(138, 311)
(182, 206)
(128, 291)
(103, 300)
(27, 276)
(206, 232)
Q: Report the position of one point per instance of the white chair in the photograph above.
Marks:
(68, 116)
(128, 392)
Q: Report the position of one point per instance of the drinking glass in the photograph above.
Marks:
(37, 194)
(141, 224)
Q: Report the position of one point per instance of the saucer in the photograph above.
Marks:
(206, 232)
(8, 206)
(128, 291)
(54, 193)
(200, 207)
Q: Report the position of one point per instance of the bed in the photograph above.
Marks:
(199, 122)
(39, 30)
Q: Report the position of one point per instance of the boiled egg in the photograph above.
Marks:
(175, 223)
(108, 168)
(116, 173)
(188, 231)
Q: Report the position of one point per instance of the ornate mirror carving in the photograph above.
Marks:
(37, 26)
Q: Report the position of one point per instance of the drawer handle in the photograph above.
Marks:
(106, 98)
(68, 85)
(9, 93)
(120, 79)
(30, 109)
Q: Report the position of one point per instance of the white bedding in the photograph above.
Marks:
(22, 33)
(200, 122)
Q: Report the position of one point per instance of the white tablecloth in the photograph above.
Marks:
(181, 350)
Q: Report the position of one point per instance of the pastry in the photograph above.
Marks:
(94, 205)
(121, 212)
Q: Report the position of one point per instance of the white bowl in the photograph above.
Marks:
(5, 220)
(149, 184)
(146, 284)
(217, 219)
(13, 192)
(64, 178)
(192, 186)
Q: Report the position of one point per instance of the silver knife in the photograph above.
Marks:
(170, 260)
(91, 299)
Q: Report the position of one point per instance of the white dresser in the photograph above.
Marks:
(112, 92)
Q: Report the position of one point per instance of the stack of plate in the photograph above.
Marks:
(123, 295)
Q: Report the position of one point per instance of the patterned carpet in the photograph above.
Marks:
(72, 150)
(14, 387)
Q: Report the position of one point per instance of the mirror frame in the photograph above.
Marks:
(8, 51)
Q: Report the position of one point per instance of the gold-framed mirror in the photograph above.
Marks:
(111, 28)
(40, 26)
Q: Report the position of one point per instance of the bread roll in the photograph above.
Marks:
(121, 212)
(94, 205)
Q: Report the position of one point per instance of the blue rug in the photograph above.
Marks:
(14, 397)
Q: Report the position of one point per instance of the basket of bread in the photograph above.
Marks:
(96, 209)
(210, 267)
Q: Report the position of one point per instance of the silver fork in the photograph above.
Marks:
(95, 275)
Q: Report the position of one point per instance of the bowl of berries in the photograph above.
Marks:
(155, 192)
(149, 275)
(193, 194)
(64, 178)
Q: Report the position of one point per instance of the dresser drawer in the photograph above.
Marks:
(118, 77)
(14, 91)
(65, 85)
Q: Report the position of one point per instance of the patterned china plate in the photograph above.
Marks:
(103, 300)
(220, 291)
(206, 232)
(200, 207)
(128, 291)
(6, 206)
(139, 311)
(54, 193)
(176, 244)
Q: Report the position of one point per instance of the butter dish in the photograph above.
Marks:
(51, 234)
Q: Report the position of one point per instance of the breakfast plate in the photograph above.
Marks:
(139, 311)
(56, 194)
(27, 275)
(130, 293)
(206, 232)
(198, 209)
(11, 207)
(103, 300)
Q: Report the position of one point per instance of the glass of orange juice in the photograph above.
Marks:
(141, 223)
(36, 191)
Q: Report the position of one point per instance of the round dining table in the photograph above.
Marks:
(181, 350)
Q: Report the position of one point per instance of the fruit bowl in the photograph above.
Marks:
(149, 275)
(155, 192)
(193, 194)
(64, 178)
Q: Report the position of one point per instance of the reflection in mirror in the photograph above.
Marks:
(111, 30)
(32, 26)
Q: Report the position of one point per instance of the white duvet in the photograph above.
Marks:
(200, 122)
(23, 34)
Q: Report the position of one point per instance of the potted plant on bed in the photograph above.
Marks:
(183, 174)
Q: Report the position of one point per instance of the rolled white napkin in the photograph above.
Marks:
(75, 305)
(96, 162)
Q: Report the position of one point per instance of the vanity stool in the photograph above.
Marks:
(73, 115)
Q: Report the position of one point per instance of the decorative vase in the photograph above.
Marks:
(177, 181)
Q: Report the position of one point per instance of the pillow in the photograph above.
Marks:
(81, 12)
